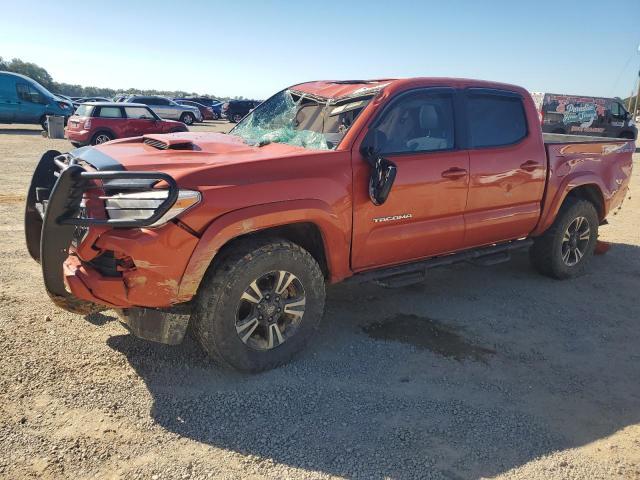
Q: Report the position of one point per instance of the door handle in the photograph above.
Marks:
(529, 165)
(454, 173)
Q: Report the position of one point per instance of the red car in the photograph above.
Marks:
(207, 112)
(94, 123)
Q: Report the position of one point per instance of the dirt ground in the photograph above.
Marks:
(478, 372)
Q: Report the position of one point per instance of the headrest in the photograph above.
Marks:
(428, 117)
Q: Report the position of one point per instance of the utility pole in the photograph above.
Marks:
(636, 106)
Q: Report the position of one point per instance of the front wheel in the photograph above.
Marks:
(187, 118)
(215, 116)
(236, 117)
(564, 250)
(260, 305)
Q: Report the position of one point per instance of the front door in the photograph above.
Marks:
(507, 168)
(424, 212)
(31, 104)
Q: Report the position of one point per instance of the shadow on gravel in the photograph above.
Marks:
(565, 374)
(20, 131)
(99, 318)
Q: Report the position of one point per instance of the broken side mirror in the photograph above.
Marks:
(383, 174)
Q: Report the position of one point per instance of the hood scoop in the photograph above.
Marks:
(168, 142)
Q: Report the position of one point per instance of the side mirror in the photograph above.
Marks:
(383, 174)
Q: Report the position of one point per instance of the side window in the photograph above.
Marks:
(110, 112)
(616, 110)
(495, 119)
(29, 94)
(137, 112)
(160, 101)
(419, 122)
(145, 100)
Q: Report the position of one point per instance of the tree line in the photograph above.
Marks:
(40, 75)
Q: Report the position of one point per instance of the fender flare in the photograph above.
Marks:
(105, 129)
(335, 237)
(551, 207)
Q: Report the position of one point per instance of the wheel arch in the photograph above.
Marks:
(308, 223)
(104, 130)
(585, 186)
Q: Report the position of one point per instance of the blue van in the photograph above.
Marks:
(23, 100)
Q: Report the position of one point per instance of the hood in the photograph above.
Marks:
(181, 153)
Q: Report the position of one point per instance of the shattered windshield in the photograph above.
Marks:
(299, 119)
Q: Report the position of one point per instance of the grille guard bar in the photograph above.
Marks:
(49, 231)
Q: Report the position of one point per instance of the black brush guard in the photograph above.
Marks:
(53, 213)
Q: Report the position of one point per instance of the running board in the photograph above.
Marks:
(416, 272)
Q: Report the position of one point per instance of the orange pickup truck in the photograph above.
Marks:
(234, 236)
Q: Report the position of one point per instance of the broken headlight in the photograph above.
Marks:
(142, 205)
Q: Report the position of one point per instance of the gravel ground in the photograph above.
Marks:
(479, 372)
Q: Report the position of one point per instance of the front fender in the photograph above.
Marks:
(335, 236)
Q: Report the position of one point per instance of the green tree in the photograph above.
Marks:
(29, 69)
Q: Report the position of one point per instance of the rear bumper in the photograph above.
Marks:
(82, 137)
(139, 277)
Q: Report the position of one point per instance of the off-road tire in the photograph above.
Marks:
(546, 251)
(187, 118)
(213, 321)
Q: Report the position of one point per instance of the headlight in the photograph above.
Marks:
(142, 205)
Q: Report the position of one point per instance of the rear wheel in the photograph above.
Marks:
(236, 117)
(260, 305)
(101, 137)
(44, 124)
(564, 250)
(187, 118)
(215, 116)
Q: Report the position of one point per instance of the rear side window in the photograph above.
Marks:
(84, 111)
(110, 112)
(138, 112)
(495, 119)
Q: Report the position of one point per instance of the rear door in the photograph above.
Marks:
(424, 213)
(507, 167)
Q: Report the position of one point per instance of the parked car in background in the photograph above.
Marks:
(166, 108)
(23, 100)
(99, 122)
(216, 105)
(206, 112)
(235, 110)
(93, 99)
(582, 115)
(375, 180)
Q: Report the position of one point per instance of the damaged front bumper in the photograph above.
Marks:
(91, 264)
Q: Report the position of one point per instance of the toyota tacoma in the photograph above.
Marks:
(234, 236)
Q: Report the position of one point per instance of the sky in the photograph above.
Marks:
(255, 48)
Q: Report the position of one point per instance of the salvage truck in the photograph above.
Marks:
(233, 237)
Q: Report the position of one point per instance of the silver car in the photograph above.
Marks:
(169, 109)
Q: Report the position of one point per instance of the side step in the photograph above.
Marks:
(416, 272)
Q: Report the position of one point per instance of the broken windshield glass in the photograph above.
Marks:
(298, 119)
